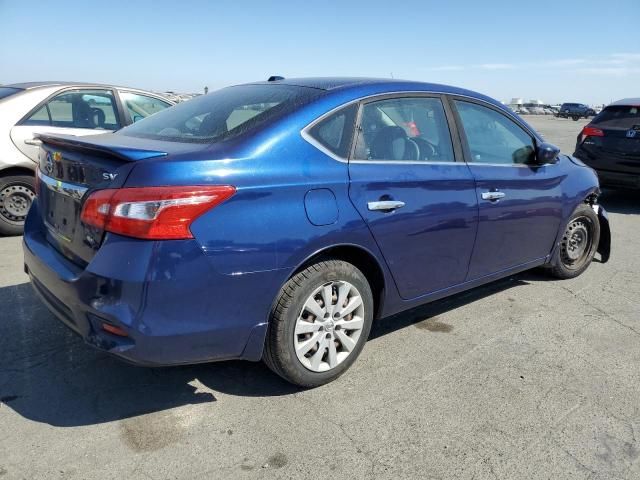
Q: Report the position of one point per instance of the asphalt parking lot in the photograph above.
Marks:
(524, 378)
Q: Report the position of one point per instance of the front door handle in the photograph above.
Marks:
(493, 196)
(33, 141)
(385, 205)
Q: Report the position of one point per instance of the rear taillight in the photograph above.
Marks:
(589, 131)
(159, 213)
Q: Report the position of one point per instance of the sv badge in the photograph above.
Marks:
(109, 176)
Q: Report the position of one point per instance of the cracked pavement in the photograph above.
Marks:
(522, 378)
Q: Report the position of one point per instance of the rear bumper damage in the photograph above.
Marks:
(168, 299)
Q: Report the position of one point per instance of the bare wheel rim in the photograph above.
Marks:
(577, 242)
(15, 202)
(329, 326)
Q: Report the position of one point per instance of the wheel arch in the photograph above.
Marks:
(361, 258)
(589, 198)
(15, 170)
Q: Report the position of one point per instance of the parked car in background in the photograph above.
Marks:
(275, 220)
(610, 144)
(534, 108)
(28, 109)
(576, 111)
(179, 97)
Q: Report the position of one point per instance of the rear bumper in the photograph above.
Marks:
(611, 170)
(618, 179)
(175, 308)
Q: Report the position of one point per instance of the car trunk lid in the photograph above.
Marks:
(69, 169)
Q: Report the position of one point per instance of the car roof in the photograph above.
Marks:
(333, 83)
(43, 84)
(628, 102)
(30, 85)
(345, 89)
(374, 85)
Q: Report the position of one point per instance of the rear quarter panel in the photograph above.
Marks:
(265, 225)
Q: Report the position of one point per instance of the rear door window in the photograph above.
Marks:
(93, 109)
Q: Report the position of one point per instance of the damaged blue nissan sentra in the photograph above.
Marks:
(276, 220)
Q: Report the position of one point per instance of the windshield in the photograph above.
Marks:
(618, 116)
(223, 114)
(8, 91)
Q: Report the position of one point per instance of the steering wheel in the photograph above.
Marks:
(426, 149)
(411, 144)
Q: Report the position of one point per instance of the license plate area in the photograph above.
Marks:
(61, 203)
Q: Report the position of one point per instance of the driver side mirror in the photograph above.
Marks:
(546, 153)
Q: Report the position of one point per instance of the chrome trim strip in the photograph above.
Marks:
(517, 165)
(306, 136)
(69, 189)
(412, 162)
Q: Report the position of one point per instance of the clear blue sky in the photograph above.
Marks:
(561, 50)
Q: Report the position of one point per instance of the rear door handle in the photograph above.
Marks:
(385, 205)
(493, 196)
(33, 141)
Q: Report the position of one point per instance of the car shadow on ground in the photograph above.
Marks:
(620, 201)
(49, 375)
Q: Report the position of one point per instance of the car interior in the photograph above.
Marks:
(77, 110)
(404, 130)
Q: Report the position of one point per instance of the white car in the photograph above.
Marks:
(27, 109)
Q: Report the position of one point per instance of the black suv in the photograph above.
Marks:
(575, 111)
(610, 144)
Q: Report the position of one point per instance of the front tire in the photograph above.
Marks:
(319, 324)
(578, 244)
(17, 193)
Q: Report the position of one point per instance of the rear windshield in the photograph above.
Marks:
(8, 91)
(618, 116)
(223, 114)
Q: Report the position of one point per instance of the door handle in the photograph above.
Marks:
(33, 141)
(493, 196)
(385, 205)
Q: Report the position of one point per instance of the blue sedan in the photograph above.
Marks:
(277, 220)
